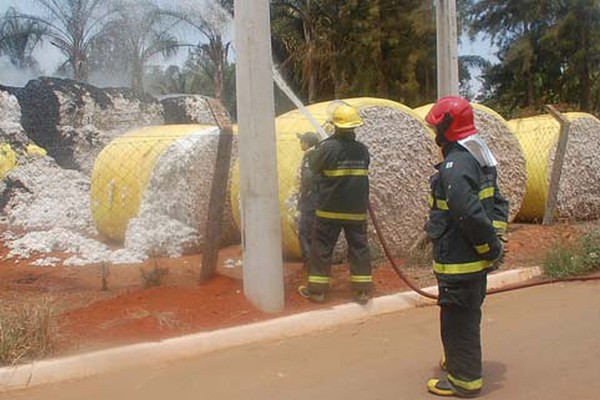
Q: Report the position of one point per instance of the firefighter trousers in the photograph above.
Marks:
(460, 324)
(325, 235)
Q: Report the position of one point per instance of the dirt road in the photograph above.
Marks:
(540, 343)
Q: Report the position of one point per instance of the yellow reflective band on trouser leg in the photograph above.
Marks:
(466, 385)
(482, 249)
(342, 216)
(322, 280)
(361, 278)
(453, 269)
(500, 225)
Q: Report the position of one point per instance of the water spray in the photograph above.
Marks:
(285, 88)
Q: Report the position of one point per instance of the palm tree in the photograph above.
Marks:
(18, 38)
(211, 22)
(137, 34)
(72, 26)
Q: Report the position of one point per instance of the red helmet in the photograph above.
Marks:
(452, 117)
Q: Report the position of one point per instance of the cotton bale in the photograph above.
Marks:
(579, 187)
(402, 157)
(512, 169)
(74, 120)
(151, 188)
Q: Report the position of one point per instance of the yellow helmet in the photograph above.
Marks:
(345, 116)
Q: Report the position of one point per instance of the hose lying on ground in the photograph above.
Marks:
(420, 291)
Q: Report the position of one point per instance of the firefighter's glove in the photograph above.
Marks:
(502, 236)
(495, 251)
(499, 260)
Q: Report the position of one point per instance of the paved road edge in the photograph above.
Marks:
(99, 362)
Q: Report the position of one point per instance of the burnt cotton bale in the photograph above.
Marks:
(11, 131)
(73, 121)
(187, 109)
(15, 147)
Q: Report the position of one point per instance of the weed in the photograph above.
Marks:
(104, 271)
(155, 276)
(26, 333)
(580, 258)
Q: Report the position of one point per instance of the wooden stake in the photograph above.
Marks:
(218, 192)
(559, 159)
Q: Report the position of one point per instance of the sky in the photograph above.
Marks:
(49, 57)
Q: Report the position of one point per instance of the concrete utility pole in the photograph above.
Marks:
(261, 221)
(447, 48)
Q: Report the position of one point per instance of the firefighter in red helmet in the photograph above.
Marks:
(467, 223)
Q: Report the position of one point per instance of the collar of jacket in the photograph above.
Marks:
(344, 135)
(451, 147)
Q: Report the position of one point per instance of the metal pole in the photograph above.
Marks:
(447, 48)
(559, 158)
(261, 221)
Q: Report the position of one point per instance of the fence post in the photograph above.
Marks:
(559, 158)
(218, 191)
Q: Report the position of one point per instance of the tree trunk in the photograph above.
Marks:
(530, 89)
(137, 79)
(382, 84)
(311, 71)
(78, 62)
(586, 82)
(218, 57)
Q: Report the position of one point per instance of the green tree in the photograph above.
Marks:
(577, 33)
(516, 27)
(383, 48)
(211, 22)
(549, 52)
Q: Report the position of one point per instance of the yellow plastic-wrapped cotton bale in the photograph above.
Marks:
(402, 157)
(151, 188)
(579, 187)
(512, 170)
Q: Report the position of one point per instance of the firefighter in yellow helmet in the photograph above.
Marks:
(467, 222)
(341, 165)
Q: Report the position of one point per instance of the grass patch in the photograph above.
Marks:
(579, 258)
(26, 333)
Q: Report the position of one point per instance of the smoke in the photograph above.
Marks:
(11, 76)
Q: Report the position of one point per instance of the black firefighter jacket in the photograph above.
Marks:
(342, 165)
(307, 201)
(467, 212)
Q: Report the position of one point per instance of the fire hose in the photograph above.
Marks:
(420, 291)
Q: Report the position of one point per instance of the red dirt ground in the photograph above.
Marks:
(88, 318)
